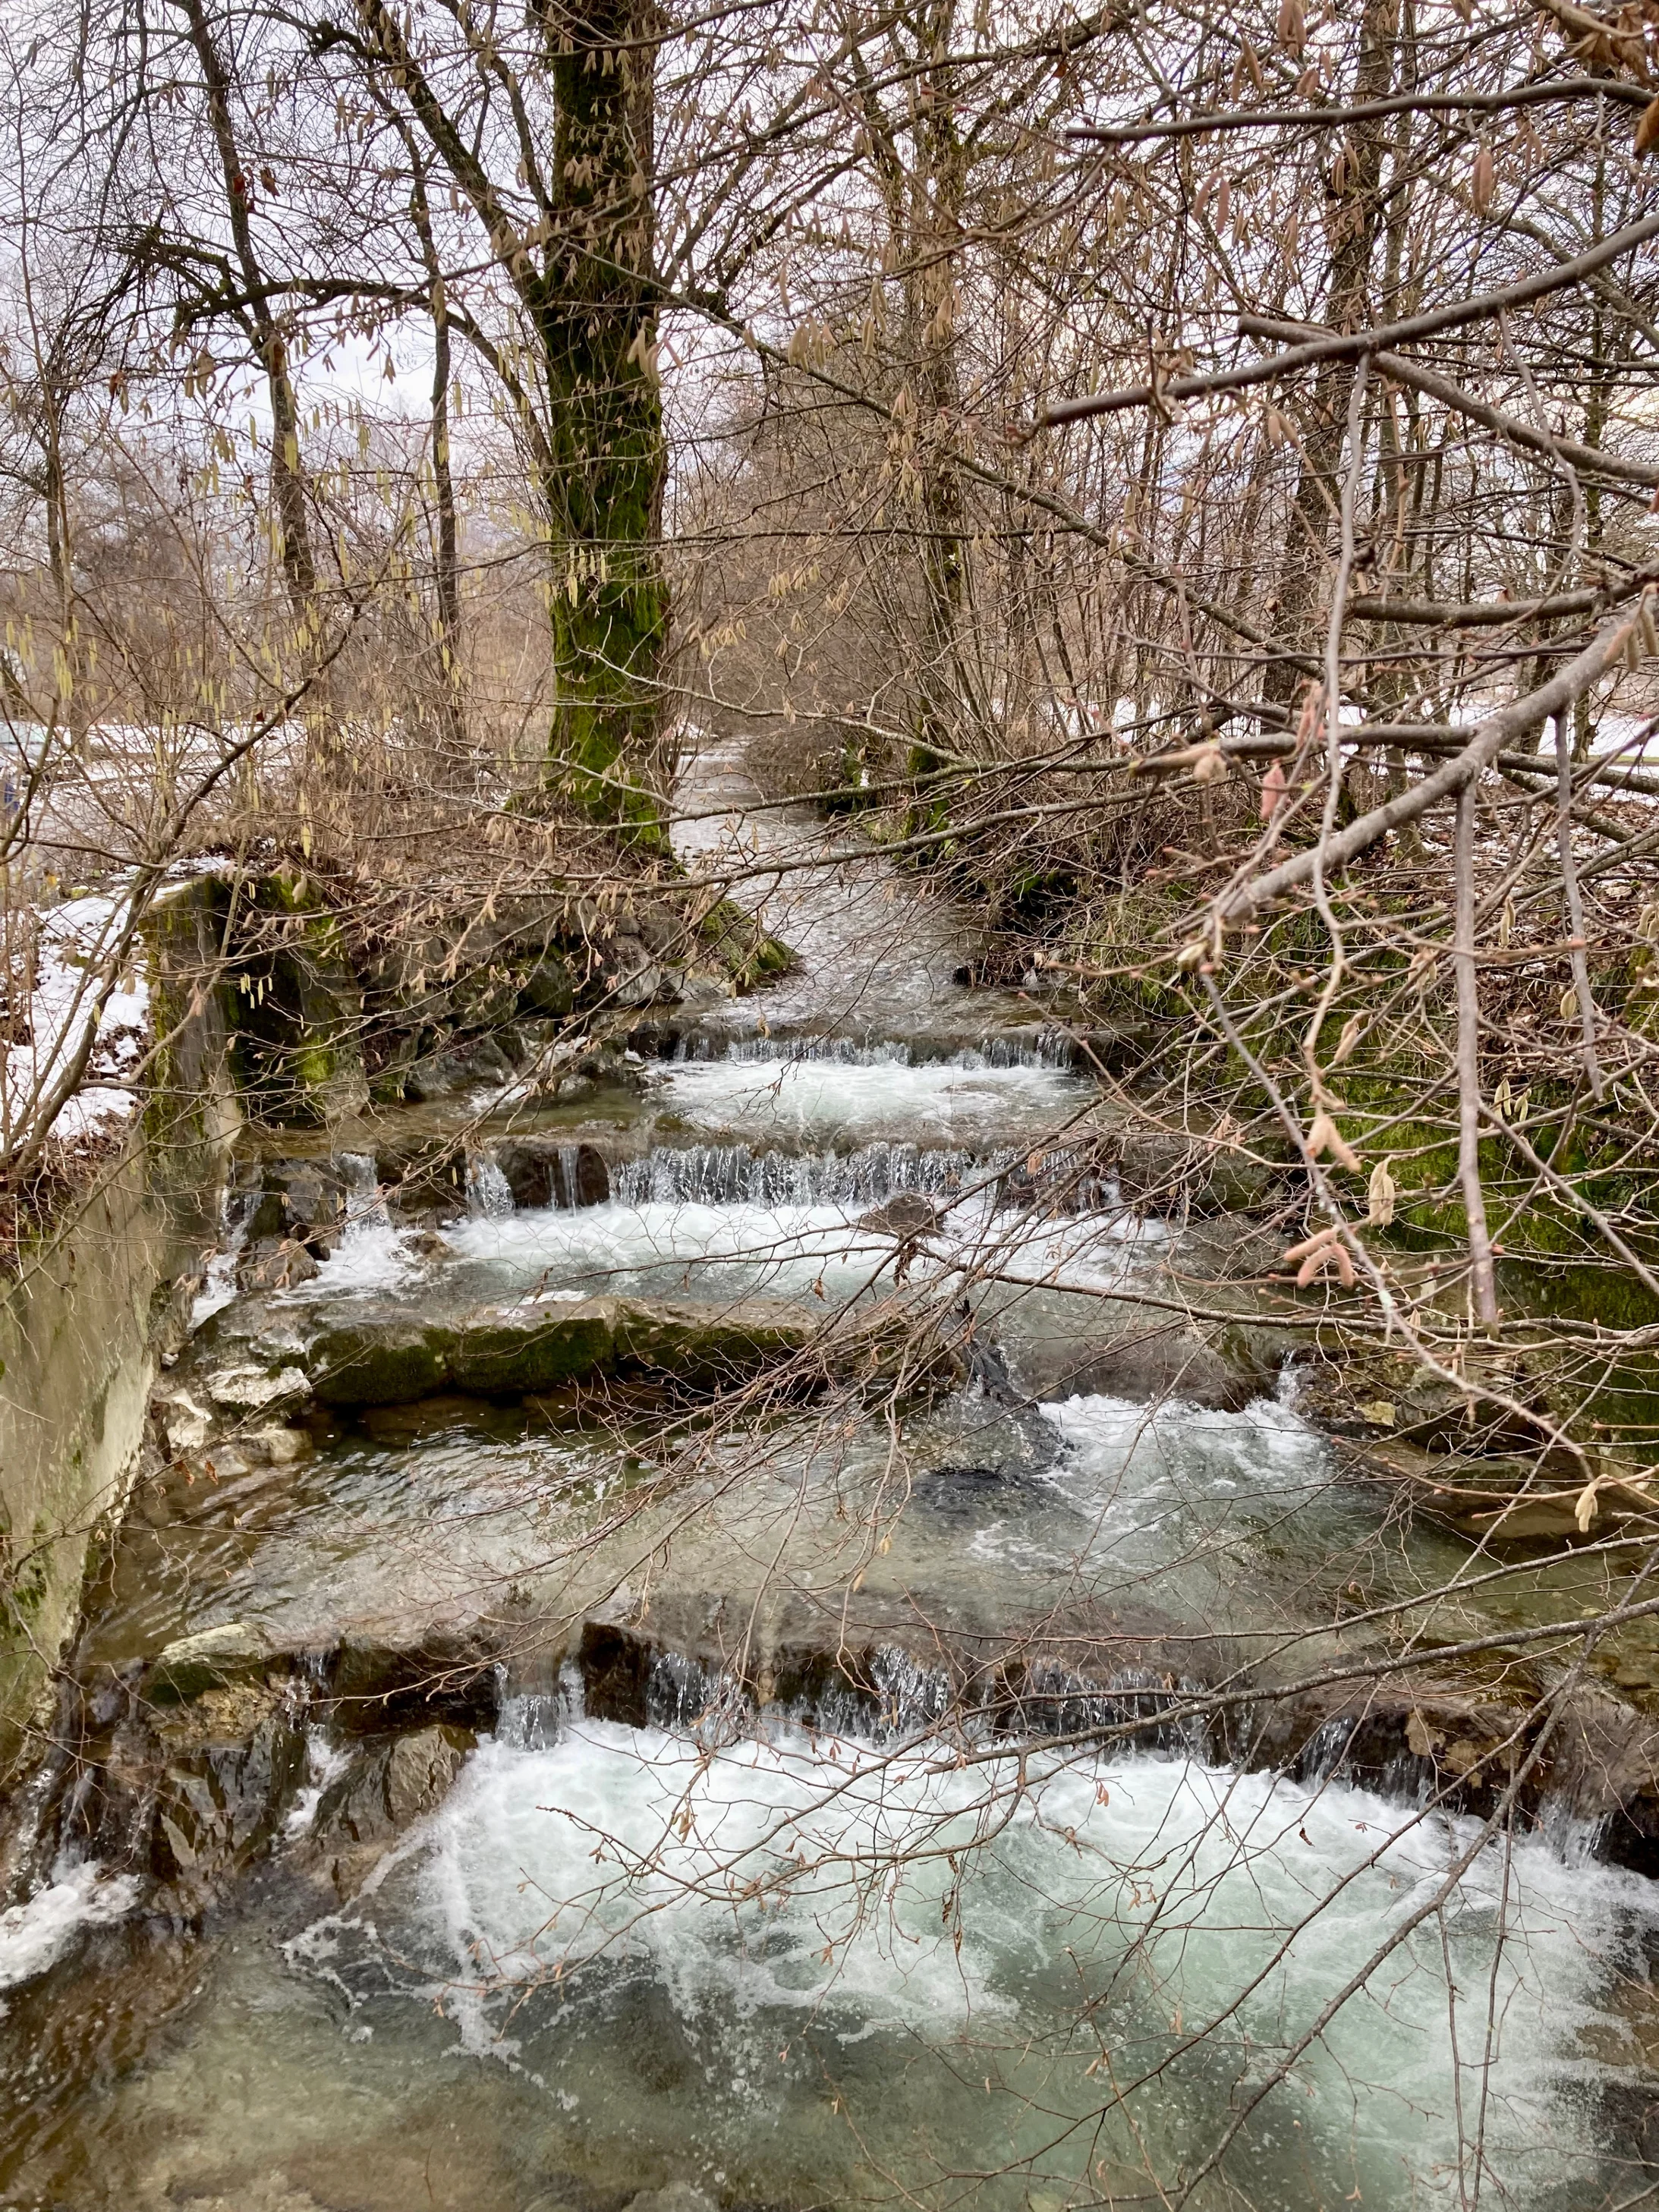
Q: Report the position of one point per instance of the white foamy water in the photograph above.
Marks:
(665, 1248)
(1137, 1462)
(888, 1906)
(373, 1254)
(218, 1286)
(816, 1099)
(325, 1763)
(33, 1935)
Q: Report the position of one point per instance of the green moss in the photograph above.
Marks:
(296, 1010)
(511, 1360)
(607, 458)
(747, 952)
(850, 793)
(315, 1064)
(371, 1362)
(1604, 1293)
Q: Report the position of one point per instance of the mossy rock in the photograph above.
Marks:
(297, 1011)
(1513, 1498)
(540, 1350)
(386, 1356)
(549, 987)
(704, 1348)
(747, 952)
(1366, 1392)
(380, 1359)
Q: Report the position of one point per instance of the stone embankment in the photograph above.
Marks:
(88, 1306)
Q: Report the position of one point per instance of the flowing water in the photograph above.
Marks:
(815, 1945)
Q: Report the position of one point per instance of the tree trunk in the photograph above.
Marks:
(938, 182)
(1354, 221)
(922, 198)
(448, 578)
(286, 478)
(607, 461)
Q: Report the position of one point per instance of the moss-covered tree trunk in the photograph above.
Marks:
(607, 458)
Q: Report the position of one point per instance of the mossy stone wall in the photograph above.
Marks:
(85, 1314)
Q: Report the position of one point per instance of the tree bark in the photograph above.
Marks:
(1354, 219)
(1483, 1278)
(607, 463)
(287, 477)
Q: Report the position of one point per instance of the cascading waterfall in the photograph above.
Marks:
(734, 1175)
(741, 1174)
(219, 1280)
(892, 1887)
(488, 1194)
(1051, 1050)
(366, 1211)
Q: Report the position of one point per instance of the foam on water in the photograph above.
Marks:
(771, 1888)
(684, 1246)
(373, 1254)
(1218, 1503)
(1145, 1456)
(33, 1935)
(861, 1092)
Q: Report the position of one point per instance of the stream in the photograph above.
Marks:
(640, 1883)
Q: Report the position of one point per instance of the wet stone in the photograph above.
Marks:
(966, 1493)
(272, 1263)
(678, 2196)
(377, 1359)
(542, 1171)
(391, 1784)
(221, 1806)
(206, 1661)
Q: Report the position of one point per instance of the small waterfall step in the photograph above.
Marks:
(532, 1174)
(1036, 1046)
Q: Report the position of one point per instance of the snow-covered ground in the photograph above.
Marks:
(59, 961)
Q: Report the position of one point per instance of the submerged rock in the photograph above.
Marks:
(1148, 1359)
(907, 1213)
(678, 2196)
(1515, 1498)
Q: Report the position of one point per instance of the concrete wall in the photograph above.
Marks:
(89, 1309)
